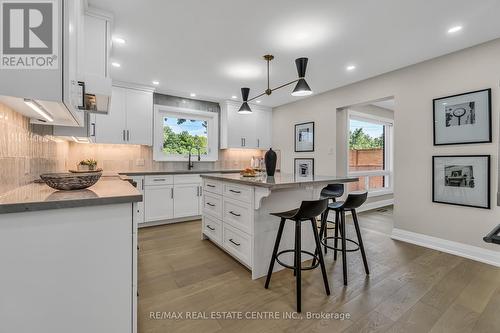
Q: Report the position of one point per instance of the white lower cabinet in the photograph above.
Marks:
(159, 202)
(186, 200)
(172, 198)
(228, 218)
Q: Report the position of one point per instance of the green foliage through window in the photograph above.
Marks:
(180, 136)
(358, 139)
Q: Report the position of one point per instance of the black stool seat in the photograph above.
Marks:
(335, 205)
(353, 201)
(307, 212)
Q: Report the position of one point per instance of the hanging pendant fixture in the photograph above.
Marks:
(301, 88)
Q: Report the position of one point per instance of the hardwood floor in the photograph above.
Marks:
(410, 288)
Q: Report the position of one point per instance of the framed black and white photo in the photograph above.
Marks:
(304, 137)
(304, 168)
(462, 180)
(463, 118)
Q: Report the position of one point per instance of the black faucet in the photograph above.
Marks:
(190, 163)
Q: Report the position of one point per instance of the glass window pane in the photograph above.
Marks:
(357, 186)
(377, 182)
(366, 146)
(180, 135)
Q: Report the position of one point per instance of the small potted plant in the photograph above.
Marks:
(87, 165)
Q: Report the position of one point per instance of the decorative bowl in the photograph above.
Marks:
(70, 181)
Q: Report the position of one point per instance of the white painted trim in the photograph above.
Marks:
(375, 205)
(462, 250)
(134, 86)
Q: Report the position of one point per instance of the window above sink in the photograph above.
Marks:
(178, 131)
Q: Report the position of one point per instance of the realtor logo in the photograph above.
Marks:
(29, 34)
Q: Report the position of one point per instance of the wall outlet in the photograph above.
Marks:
(139, 162)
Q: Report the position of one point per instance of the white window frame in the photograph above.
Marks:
(388, 153)
(212, 119)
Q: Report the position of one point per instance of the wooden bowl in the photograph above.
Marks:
(70, 181)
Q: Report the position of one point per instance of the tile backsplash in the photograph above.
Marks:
(27, 150)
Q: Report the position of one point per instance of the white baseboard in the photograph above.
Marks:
(375, 205)
(462, 250)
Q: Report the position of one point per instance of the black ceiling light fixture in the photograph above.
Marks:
(301, 89)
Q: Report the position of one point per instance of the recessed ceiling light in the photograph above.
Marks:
(116, 64)
(350, 67)
(455, 29)
(192, 94)
(119, 40)
(257, 101)
(156, 82)
(234, 97)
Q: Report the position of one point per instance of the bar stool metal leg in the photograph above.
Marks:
(298, 261)
(344, 248)
(335, 241)
(360, 241)
(320, 255)
(275, 250)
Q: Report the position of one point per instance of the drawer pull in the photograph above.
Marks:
(209, 227)
(234, 191)
(159, 179)
(235, 214)
(210, 204)
(232, 241)
(210, 185)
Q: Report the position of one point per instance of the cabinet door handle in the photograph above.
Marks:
(172, 193)
(209, 227)
(235, 214)
(210, 185)
(210, 204)
(123, 135)
(232, 241)
(159, 179)
(93, 129)
(234, 191)
(128, 135)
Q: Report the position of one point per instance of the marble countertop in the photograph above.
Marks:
(176, 172)
(279, 180)
(36, 196)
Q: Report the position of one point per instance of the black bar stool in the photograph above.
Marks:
(307, 212)
(353, 201)
(331, 192)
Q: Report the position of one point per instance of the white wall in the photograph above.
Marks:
(414, 88)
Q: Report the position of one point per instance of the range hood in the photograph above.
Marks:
(96, 94)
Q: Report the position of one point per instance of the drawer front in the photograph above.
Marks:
(159, 180)
(238, 192)
(213, 186)
(187, 179)
(212, 228)
(212, 205)
(238, 214)
(238, 243)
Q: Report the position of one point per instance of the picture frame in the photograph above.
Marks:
(304, 168)
(463, 118)
(304, 137)
(462, 180)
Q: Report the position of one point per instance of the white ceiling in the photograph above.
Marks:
(213, 48)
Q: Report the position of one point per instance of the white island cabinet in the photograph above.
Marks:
(69, 259)
(236, 214)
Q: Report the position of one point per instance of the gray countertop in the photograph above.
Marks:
(279, 180)
(35, 196)
(176, 172)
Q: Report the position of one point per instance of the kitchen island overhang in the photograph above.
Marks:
(236, 214)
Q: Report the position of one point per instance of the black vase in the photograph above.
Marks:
(270, 159)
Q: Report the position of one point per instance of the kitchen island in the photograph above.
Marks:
(69, 259)
(236, 214)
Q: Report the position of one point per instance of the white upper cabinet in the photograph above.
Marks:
(130, 118)
(252, 131)
(54, 88)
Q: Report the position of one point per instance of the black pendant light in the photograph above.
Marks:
(245, 108)
(301, 88)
